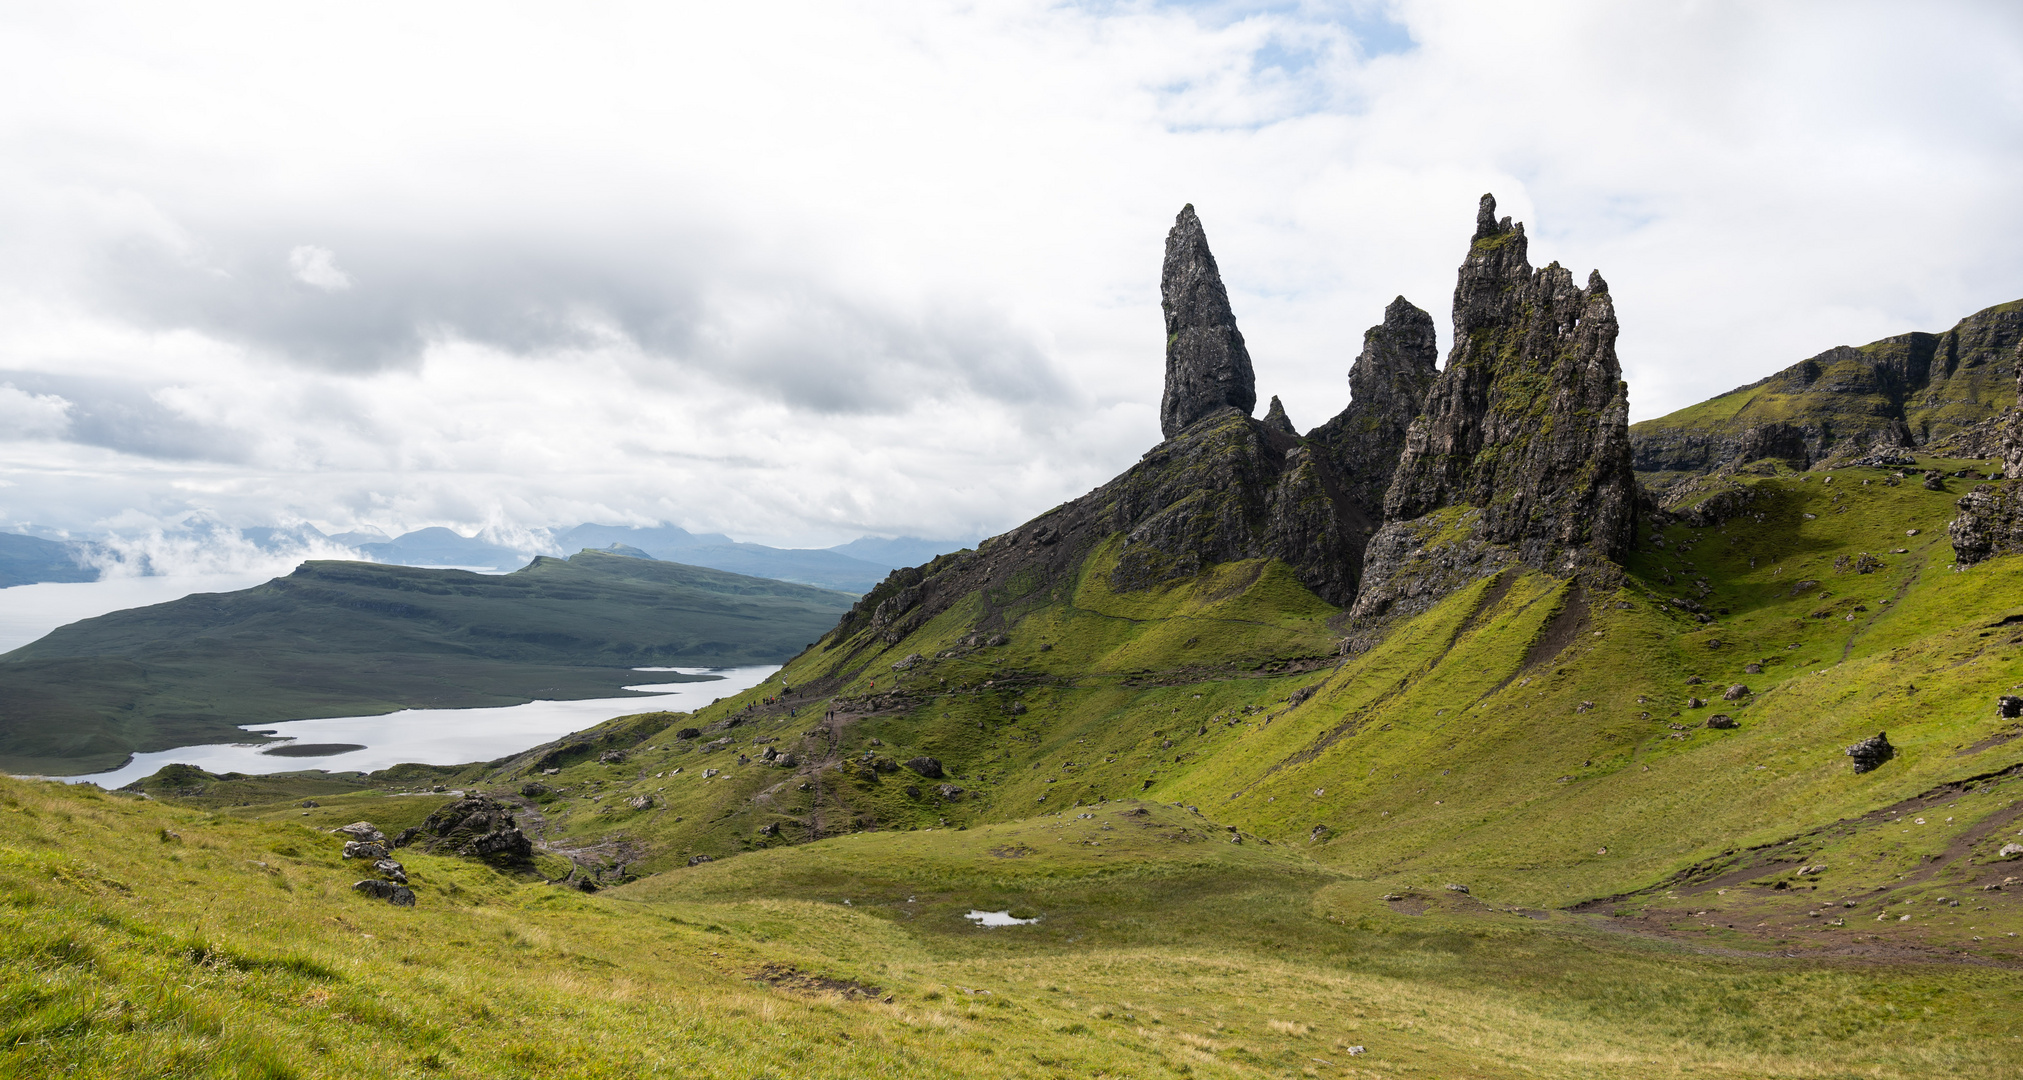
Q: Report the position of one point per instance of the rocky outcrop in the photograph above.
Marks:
(1523, 440)
(476, 826)
(1207, 367)
(1911, 390)
(1275, 419)
(1990, 521)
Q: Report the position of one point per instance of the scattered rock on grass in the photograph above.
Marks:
(362, 849)
(1462, 889)
(926, 766)
(362, 830)
(1722, 721)
(397, 895)
(1870, 753)
(1736, 693)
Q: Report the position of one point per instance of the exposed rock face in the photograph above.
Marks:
(1529, 421)
(1523, 440)
(1911, 390)
(1275, 419)
(1991, 516)
(1207, 366)
(1387, 387)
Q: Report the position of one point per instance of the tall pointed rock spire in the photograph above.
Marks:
(1207, 367)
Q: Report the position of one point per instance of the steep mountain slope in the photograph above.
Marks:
(335, 639)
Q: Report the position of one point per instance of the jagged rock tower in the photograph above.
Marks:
(1525, 432)
(1207, 367)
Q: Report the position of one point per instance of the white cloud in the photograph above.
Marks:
(317, 266)
(805, 270)
(31, 416)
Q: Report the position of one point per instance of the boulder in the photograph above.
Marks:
(926, 766)
(362, 830)
(1722, 721)
(2010, 851)
(364, 849)
(533, 789)
(910, 660)
(1752, 669)
(1870, 753)
(611, 757)
(1735, 693)
(391, 870)
(391, 892)
(948, 792)
(787, 761)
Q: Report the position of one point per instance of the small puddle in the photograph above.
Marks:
(999, 918)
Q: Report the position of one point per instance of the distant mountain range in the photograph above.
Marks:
(853, 567)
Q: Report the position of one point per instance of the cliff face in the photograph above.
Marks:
(1991, 515)
(1910, 390)
(1207, 366)
(1521, 451)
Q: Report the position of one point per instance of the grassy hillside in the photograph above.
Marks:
(1504, 841)
(142, 939)
(1519, 708)
(338, 638)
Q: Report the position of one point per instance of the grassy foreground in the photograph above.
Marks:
(139, 939)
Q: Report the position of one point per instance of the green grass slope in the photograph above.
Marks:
(338, 638)
(1533, 742)
(149, 940)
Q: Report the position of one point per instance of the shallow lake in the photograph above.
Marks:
(433, 736)
(998, 918)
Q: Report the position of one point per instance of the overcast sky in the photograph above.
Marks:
(801, 272)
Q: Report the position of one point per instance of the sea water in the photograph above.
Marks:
(435, 736)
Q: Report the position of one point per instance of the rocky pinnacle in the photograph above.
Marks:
(1207, 367)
